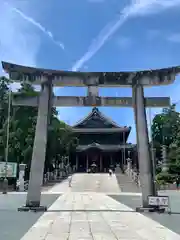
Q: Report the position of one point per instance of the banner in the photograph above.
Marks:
(11, 169)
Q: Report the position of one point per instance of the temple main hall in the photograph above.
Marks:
(101, 143)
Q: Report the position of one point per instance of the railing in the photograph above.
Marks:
(25, 187)
(26, 184)
(134, 175)
(48, 177)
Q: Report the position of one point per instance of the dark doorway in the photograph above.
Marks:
(94, 159)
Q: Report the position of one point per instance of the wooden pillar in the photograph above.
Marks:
(122, 157)
(101, 163)
(77, 162)
(124, 150)
(111, 159)
(87, 162)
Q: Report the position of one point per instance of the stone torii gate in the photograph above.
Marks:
(92, 80)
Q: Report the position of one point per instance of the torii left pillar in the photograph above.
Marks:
(39, 149)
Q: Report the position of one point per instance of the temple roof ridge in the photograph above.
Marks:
(94, 144)
(96, 112)
(107, 118)
(106, 147)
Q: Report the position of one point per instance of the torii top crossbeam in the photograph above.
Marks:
(154, 77)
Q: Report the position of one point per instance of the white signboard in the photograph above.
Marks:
(11, 169)
(158, 201)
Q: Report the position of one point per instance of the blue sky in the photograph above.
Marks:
(94, 35)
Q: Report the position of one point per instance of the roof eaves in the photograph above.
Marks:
(83, 120)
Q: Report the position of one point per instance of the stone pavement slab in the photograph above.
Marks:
(14, 224)
(170, 221)
(98, 217)
(61, 187)
(83, 182)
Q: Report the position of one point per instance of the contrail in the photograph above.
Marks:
(97, 44)
(102, 38)
(135, 7)
(38, 25)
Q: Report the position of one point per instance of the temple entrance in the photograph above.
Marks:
(94, 158)
(90, 159)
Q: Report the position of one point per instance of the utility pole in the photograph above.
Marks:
(5, 183)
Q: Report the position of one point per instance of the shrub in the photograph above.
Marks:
(165, 178)
(158, 169)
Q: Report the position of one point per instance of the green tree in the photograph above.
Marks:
(4, 89)
(4, 95)
(174, 155)
(165, 125)
(22, 128)
(61, 142)
(166, 131)
(164, 128)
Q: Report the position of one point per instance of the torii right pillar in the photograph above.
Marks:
(145, 162)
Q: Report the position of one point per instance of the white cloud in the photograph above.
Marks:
(144, 7)
(134, 9)
(18, 42)
(175, 38)
(38, 25)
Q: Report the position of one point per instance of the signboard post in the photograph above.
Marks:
(159, 202)
(156, 204)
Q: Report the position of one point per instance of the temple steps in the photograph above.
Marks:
(98, 182)
(126, 184)
(117, 184)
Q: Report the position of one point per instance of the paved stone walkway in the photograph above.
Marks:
(95, 216)
(170, 221)
(83, 182)
(83, 211)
